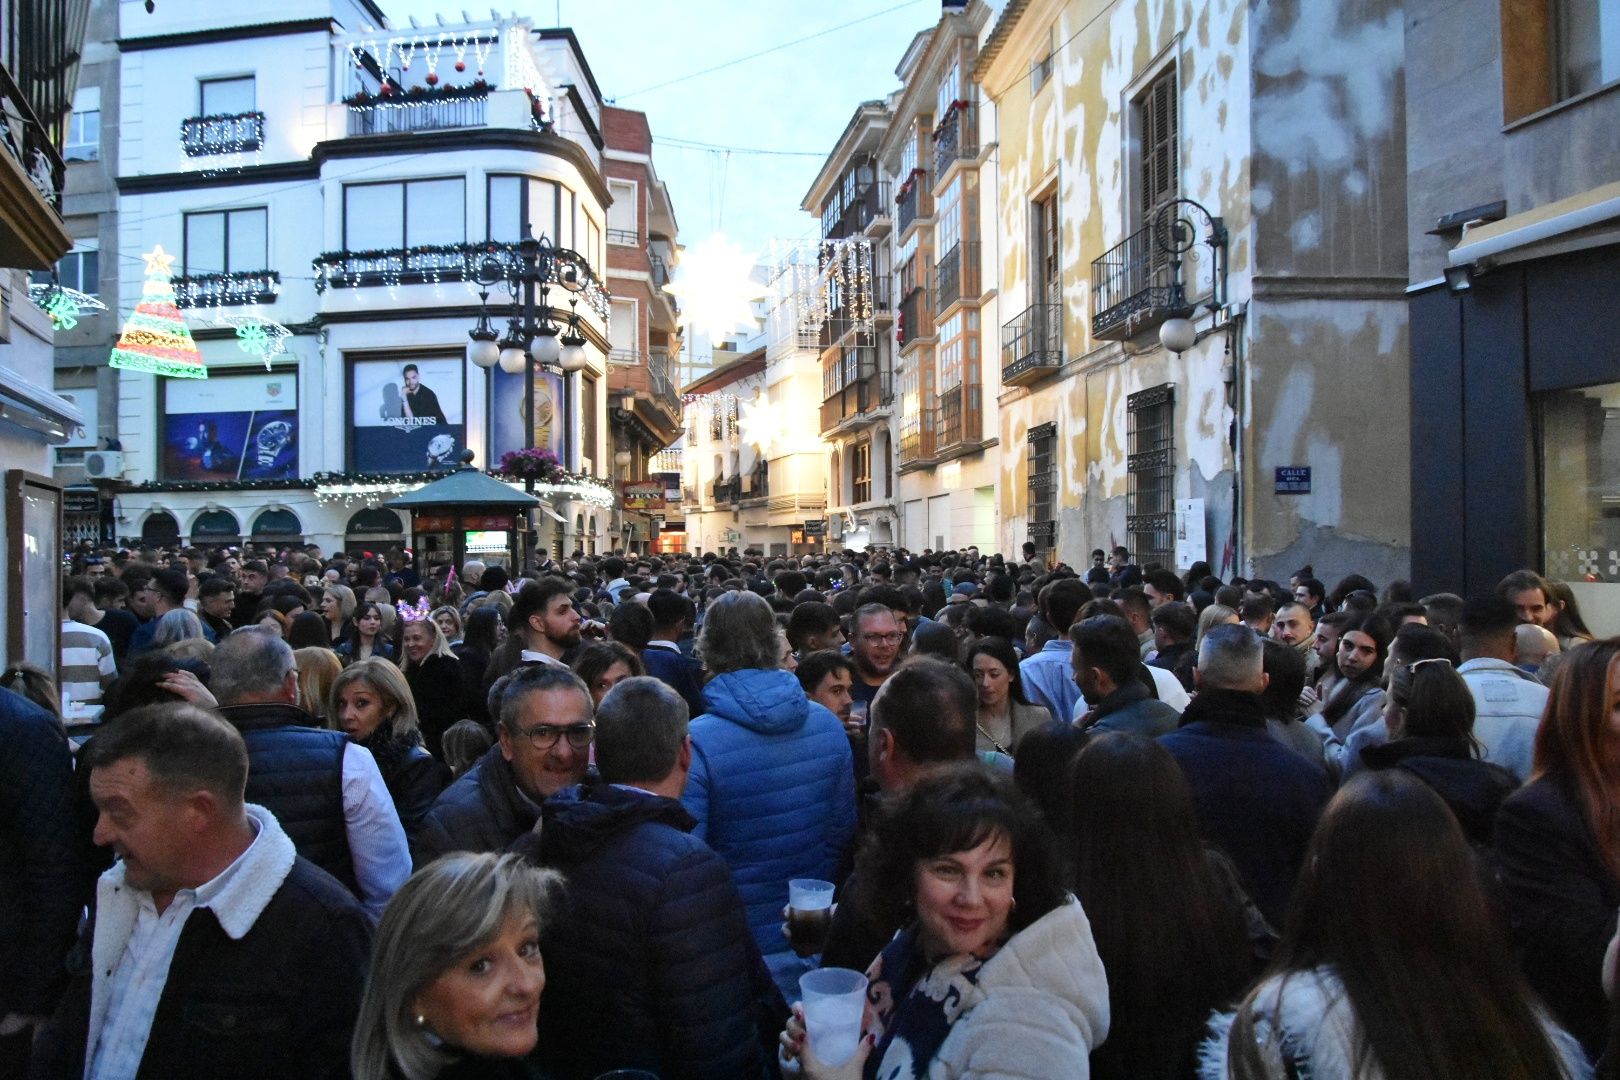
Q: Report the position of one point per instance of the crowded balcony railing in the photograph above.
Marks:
(1032, 344)
(227, 289)
(418, 109)
(1132, 287)
(956, 136)
(234, 133)
(957, 275)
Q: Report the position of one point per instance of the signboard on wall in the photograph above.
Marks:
(1293, 480)
(407, 415)
(1190, 540)
(643, 496)
(230, 427)
(506, 414)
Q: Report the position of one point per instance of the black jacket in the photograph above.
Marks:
(413, 777)
(436, 685)
(43, 872)
(1473, 789)
(652, 965)
(482, 811)
(295, 770)
(1561, 899)
(279, 1002)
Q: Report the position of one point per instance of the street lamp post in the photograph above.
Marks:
(533, 336)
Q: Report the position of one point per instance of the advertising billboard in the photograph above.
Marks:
(506, 413)
(407, 415)
(230, 427)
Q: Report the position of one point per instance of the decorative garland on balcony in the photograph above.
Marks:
(909, 183)
(222, 133)
(233, 288)
(959, 105)
(393, 95)
(846, 281)
(434, 263)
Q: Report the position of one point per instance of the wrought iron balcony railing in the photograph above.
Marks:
(956, 137)
(434, 263)
(913, 201)
(728, 491)
(1132, 287)
(1032, 344)
(663, 385)
(957, 275)
(439, 113)
(234, 133)
(22, 134)
(623, 236)
(224, 290)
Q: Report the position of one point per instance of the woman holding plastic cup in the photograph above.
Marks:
(995, 961)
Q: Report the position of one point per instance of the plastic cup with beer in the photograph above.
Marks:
(834, 1004)
(809, 914)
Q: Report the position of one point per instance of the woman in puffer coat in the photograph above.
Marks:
(772, 787)
(1391, 963)
(995, 973)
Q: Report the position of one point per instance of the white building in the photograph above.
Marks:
(345, 180)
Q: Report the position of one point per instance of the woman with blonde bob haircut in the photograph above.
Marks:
(371, 703)
(456, 973)
(317, 669)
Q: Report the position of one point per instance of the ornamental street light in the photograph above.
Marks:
(533, 335)
(1176, 235)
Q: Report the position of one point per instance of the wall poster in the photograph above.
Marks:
(407, 415)
(231, 427)
(506, 414)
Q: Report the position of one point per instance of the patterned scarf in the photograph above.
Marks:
(913, 1000)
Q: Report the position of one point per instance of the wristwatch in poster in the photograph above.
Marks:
(273, 439)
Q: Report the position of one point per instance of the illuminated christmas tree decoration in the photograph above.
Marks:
(155, 337)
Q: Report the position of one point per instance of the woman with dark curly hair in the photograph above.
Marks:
(995, 964)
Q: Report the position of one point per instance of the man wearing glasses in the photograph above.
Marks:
(875, 649)
(545, 729)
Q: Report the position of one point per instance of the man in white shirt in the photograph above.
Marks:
(297, 768)
(1508, 703)
(215, 950)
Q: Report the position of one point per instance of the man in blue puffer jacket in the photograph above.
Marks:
(772, 786)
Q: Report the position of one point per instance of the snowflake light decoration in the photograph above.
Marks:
(716, 286)
(257, 336)
(62, 304)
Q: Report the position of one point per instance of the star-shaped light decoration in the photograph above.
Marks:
(159, 262)
(761, 422)
(716, 287)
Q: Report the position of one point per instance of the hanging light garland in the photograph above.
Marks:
(62, 304)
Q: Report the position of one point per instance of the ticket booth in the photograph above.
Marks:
(464, 515)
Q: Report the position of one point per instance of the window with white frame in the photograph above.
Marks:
(623, 225)
(623, 333)
(950, 352)
(404, 214)
(83, 141)
(908, 156)
(948, 214)
(516, 200)
(227, 97)
(226, 241)
(79, 269)
(948, 93)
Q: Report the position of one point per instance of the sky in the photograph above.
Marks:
(796, 99)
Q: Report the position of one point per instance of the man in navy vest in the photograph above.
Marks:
(672, 616)
(325, 790)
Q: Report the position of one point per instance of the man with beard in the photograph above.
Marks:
(545, 615)
(420, 403)
(875, 649)
(1293, 626)
(1106, 665)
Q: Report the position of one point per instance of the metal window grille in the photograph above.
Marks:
(1150, 466)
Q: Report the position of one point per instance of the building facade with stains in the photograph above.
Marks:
(1239, 166)
(1514, 240)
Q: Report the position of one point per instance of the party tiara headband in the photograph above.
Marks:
(514, 587)
(419, 613)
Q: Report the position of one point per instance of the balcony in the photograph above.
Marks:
(658, 271)
(431, 264)
(959, 418)
(957, 276)
(868, 207)
(1132, 288)
(759, 482)
(225, 290)
(956, 137)
(913, 202)
(916, 319)
(1032, 345)
(727, 491)
(663, 384)
(627, 237)
(236, 133)
(918, 438)
(861, 397)
(435, 110)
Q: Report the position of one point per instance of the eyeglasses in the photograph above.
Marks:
(884, 639)
(545, 736)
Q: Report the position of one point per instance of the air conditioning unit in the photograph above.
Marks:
(104, 464)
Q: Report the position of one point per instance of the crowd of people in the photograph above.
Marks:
(288, 815)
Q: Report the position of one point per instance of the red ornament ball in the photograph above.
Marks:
(461, 65)
(432, 79)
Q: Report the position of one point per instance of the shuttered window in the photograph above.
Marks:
(1156, 112)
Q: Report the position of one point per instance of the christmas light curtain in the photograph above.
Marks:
(155, 337)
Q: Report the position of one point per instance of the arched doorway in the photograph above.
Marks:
(160, 529)
(278, 526)
(373, 526)
(216, 527)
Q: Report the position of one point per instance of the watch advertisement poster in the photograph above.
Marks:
(506, 413)
(408, 415)
(231, 427)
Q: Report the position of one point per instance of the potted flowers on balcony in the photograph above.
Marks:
(906, 186)
(536, 463)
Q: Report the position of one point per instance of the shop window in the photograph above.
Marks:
(1554, 50)
(1580, 492)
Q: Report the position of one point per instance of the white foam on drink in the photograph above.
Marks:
(834, 1026)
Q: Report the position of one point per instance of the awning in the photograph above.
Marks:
(553, 513)
(1546, 230)
(33, 407)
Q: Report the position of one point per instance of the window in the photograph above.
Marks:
(624, 336)
(949, 215)
(83, 136)
(226, 242)
(79, 269)
(947, 94)
(1580, 469)
(1042, 486)
(227, 97)
(860, 466)
(1156, 126)
(514, 200)
(950, 351)
(908, 158)
(593, 244)
(415, 213)
(623, 222)
(587, 410)
(1150, 466)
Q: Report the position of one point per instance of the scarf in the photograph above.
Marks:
(912, 1001)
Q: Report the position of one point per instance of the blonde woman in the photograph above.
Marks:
(337, 608)
(456, 973)
(371, 703)
(317, 668)
(434, 674)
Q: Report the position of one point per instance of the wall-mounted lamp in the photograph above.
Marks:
(1459, 279)
(1176, 234)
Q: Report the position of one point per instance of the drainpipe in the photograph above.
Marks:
(1235, 370)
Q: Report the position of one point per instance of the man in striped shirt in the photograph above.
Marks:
(88, 667)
